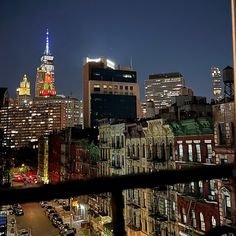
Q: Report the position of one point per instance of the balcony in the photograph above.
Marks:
(115, 185)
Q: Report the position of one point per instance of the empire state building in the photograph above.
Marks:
(45, 70)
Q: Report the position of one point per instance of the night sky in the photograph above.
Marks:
(159, 35)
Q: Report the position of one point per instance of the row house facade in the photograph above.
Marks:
(111, 162)
(149, 147)
(197, 202)
(152, 145)
(224, 152)
(69, 155)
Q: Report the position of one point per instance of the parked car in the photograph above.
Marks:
(53, 216)
(3, 229)
(69, 232)
(49, 207)
(18, 210)
(43, 204)
(57, 221)
(50, 211)
(67, 229)
(62, 226)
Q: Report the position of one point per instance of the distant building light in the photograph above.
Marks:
(93, 59)
(110, 64)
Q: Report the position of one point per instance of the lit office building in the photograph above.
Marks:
(109, 92)
(44, 83)
(73, 108)
(216, 81)
(160, 88)
(23, 125)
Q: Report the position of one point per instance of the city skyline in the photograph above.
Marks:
(157, 37)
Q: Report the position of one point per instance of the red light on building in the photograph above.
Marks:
(48, 88)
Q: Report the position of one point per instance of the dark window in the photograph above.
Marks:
(222, 133)
(96, 89)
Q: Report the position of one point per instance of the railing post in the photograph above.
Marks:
(117, 213)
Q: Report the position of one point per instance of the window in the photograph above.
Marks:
(128, 151)
(213, 221)
(126, 87)
(181, 152)
(131, 87)
(209, 150)
(212, 187)
(96, 88)
(143, 150)
(198, 152)
(121, 87)
(200, 186)
(192, 187)
(184, 219)
(222, 133)
(190, 152)
(133, 149)
(227, 204)
(163, 153)
(202, 222)
(173, 210)
(170, 151)
(193, 221)
(166, 207)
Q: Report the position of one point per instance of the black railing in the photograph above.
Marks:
(116, 185)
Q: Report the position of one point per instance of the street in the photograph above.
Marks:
(35, 219)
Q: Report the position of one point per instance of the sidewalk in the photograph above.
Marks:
(74, 221)
(11, 228)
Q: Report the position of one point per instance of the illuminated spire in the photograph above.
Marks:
(47, 51)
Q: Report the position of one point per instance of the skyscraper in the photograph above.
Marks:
(216, 82)
(44, 70)
(160, 88)
(23, 92)
(109, 92)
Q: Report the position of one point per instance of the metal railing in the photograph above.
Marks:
(116, 185)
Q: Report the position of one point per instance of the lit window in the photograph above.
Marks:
(181, 154)
(202, 222)
(190, 152)
(200, 186)
(184, 215)
(212, 187)
(198, 152)
(209, 150)
(213, 221)
(194, 222)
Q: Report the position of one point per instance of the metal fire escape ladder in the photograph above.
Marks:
(192, 206)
